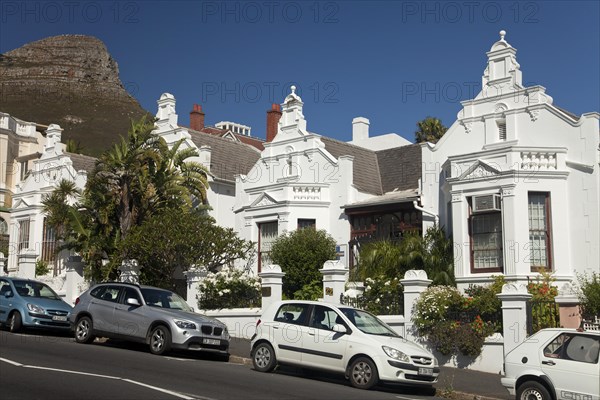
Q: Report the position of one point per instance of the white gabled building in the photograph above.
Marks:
(305, 179)
(516, 180)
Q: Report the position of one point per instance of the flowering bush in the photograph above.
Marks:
(544, 311)
(383, 296)
(455, 323)
(229, 288)
(432, 306)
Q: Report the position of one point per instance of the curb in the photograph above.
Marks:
(439, 393)
(240, 360)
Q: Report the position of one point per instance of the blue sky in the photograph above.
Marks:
(392, 62)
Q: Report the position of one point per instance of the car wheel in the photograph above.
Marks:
(15, 323)
(531, 390)
(263, 358)
(160, 340)
(363, 373)
(83, 330)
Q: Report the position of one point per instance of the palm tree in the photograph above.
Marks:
(57, 206)
(137, 178)
(74, 146)
(429, 130)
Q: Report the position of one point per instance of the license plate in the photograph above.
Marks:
(211, 341)
(59, 318)
(426, 371)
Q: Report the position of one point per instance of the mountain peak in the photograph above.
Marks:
(71, 80)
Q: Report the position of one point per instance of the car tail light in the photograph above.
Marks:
(77, 301)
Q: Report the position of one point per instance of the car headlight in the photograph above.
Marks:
(396, 354)
(35, 309)
(185, 324)
(435, 362)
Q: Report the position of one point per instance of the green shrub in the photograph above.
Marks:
(301, 254)
(41, 268)
(589, 295)
(229, 288)
(310, 291)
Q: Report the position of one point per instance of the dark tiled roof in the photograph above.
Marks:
(400, 167)
(252, 141)
(366, 170)
(81, 162)
(228, 158)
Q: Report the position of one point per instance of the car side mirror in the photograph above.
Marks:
(339, 328)
(133, 302)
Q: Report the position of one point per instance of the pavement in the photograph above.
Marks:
(453, 382)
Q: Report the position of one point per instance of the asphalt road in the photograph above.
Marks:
(34, 366)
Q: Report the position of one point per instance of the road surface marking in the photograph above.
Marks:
(172, 393)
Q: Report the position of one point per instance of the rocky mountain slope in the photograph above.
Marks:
(70, 80)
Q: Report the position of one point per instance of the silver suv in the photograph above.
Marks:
(157, 317)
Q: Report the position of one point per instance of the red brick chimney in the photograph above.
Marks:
(273, 116)
(197, 118)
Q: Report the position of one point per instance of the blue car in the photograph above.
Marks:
(25, 303)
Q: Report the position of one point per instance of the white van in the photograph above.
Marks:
(555, 364)
(342, 339)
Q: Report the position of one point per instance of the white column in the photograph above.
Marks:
(27, 265)
(74, 279)
(272, 281)
(130, 271)
(514, 299)
(3, 261)
(194, 277)
(460, 232)
(415, 282)
(509, 230)
(334, 279)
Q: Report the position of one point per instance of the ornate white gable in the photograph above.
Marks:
(20, 203)
(479, 169)
(264, 200)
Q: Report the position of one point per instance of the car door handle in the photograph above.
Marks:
(548, 363)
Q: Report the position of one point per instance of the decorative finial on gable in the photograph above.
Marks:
(502, 34)
(293, 89)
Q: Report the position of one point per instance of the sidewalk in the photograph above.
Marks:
(452, 381)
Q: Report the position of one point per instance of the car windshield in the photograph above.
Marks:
(164, 299)
(35, 289)
(368, 323)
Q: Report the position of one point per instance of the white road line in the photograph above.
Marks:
(11, 362)
(172, 393)
(405, 398)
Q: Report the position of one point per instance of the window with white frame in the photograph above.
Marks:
(539, 231)
(501, 129)
(486, 242)
(267, 235)
(23, 234)
(306, 223)
(48, 243)
(24, 169)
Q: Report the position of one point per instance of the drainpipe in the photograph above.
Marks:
(435, 216)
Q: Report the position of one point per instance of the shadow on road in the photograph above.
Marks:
(328, 377)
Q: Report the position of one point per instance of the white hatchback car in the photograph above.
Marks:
(340, 339)
(555, 364)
